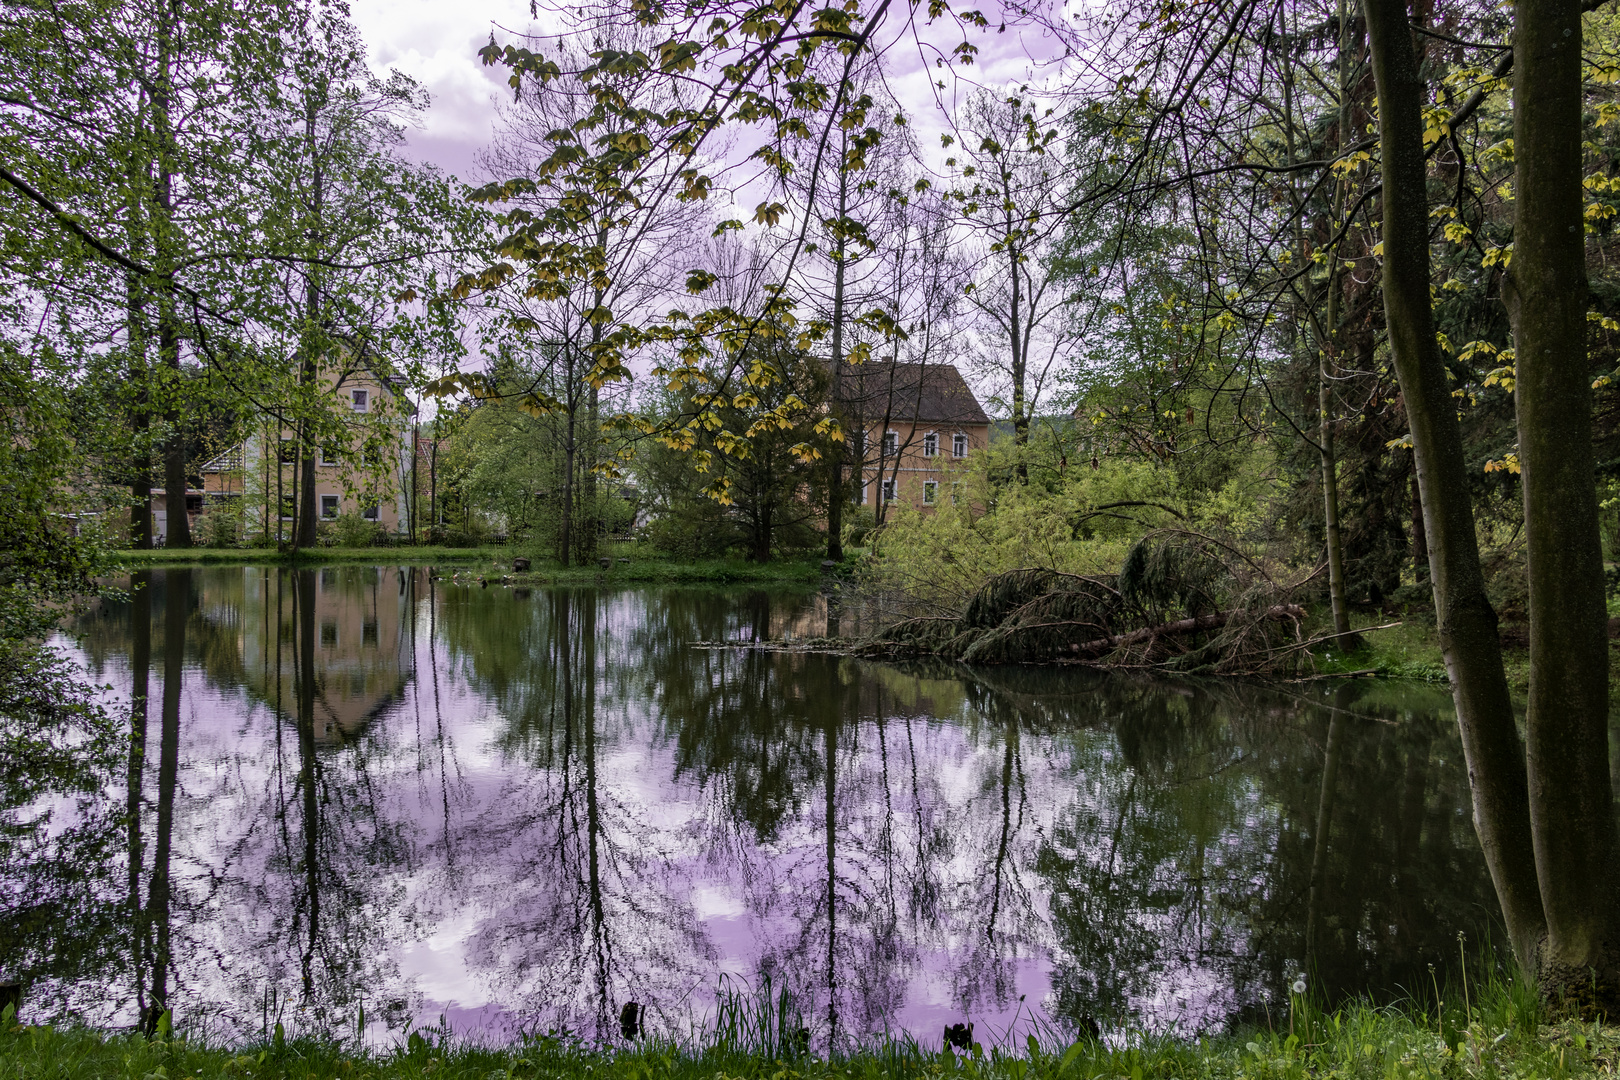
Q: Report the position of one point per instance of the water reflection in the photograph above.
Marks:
(369, 788)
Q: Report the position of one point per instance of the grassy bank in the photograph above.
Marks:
(631, 564)
(654, 570)
(421, 555)
(1500, 1039)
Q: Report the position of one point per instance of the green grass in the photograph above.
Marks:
(633, 564)
(314, 557)
(1412, 651)
(1497, 1033)
(654, 570)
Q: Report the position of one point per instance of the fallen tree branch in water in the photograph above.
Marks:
(1179, 628)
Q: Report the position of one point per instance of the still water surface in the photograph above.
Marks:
(521, 809)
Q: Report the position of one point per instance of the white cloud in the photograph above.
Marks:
(437, 44)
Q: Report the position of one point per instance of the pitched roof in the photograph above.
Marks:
(927, 393)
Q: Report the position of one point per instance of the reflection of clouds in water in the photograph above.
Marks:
(559, 806)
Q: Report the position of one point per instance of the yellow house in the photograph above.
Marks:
(365, 472)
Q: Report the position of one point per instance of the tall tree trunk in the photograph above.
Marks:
(590, 525)
(1330, 503)
(306, 512)
(177, 523)
(1466, 621)
(839, 453)
(565, 540)
(304, 534)
(1016, 317)
(1571, 797)
(140, 511)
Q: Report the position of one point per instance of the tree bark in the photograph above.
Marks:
(1466, 621)
(140, 511)
(1571, 797)
(838, 453)
(177, 524)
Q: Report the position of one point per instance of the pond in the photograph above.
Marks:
(359, 797)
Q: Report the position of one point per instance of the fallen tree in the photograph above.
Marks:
(1182, 600)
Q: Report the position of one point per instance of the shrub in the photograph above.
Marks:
(352, 530)
(221, 525)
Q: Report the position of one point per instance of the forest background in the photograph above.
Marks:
(1161, 260)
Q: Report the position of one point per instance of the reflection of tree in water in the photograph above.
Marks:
(1182, 872)
(818, 814)
(871, 830)
(308, 912)
(593, 913)
(62, 916)
(291, 904)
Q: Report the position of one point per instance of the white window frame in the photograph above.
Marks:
(959, 445)
(329, 461)
(372, 512)
(930, 492)
(360, 399)
(956, 493)
(931, 444)
(336, 504)
(891, 443)
(891, 490)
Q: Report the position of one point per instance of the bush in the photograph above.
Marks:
(221, 525)
(695, 529)
(859, 521)
(352, 530)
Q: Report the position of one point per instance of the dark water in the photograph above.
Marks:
(356, 788)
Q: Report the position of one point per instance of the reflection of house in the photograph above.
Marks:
(359, 624)
(914, 425)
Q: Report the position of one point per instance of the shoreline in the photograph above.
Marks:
(494, 565)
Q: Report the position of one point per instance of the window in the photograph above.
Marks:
(361, 399)
(328, 635)
(865, 493)
(930, 492)
(959, 445)
(329, 506)
(287, 508)
(931, 445)
(289, 452)
(370, 512)
(891, 443)
(956, 493)
(371, 455)
(888, 491)
(329, 455)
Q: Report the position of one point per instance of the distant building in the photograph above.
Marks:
(913, 427)
(366, 472)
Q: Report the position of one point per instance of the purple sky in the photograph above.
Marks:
(437, 42)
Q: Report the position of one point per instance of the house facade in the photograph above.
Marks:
(914, 427)
(368, 471)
